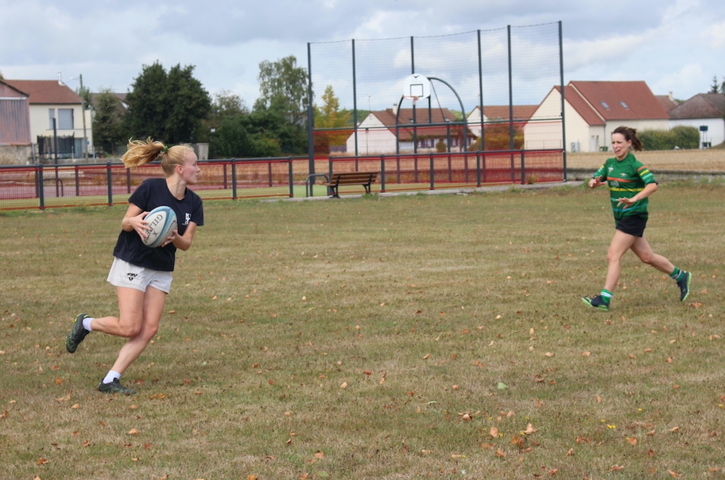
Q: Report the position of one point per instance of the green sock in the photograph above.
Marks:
(675, 275)
(606, 296)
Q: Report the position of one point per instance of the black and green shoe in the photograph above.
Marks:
(115, 387)
(77, 334)
(684, 284)
(596, 302)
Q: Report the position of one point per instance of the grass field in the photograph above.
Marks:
(421, 336)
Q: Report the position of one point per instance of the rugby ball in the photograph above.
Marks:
(162, 222)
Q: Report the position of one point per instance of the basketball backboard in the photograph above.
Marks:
(416, 86)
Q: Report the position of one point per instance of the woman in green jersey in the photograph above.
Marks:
(630, 184)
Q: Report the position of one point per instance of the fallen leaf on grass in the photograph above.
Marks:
(616, 468)
(133, 431)
(530, 429)
(632, 440)
(673, 473)
(493, 432)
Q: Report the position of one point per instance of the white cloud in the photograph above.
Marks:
(668, 46)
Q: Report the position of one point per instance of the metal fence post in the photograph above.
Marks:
(432, 173)
(234, 178)
(41, 190)
(109, 183)
(382, 174)
(78, 187)
(523, 168)
(291, 178)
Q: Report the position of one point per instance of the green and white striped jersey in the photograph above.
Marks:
(626, 178)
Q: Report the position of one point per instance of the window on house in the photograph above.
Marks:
(624, 105)
(51, 117)
(65, 118)
(604, 104)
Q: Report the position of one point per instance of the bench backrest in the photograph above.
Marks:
(354, 177)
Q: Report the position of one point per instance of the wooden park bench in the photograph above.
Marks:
(350, 178)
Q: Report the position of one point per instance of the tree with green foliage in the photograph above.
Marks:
(283, 84)
(716, 87)
(329, 116)
(226, 105)
(273, 123)
(167, 106)
(107, 121)
(678, 137)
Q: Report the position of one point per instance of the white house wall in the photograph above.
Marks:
(474, 121)
(715, 128)
(373, 138)
(580, 136)
(40, 122)
(542, 131)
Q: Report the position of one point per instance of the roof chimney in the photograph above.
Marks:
(60, 79)
(395, 109)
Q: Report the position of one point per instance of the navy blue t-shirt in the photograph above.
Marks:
(152, 193)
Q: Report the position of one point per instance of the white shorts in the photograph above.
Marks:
(124, 274)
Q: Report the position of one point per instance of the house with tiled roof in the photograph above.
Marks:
(418, 130)
(55, 109)
(668, 102)
(706, 112)
(592, 110)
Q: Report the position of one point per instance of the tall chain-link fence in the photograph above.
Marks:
(505, 73)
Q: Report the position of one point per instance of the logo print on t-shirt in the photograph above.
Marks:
(187, 218)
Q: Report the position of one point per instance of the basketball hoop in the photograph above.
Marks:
(416, 86)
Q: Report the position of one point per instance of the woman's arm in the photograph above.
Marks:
(648, 190)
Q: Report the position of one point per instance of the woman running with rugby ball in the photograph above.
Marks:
(142, 275)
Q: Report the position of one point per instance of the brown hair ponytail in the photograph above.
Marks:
(630, 134)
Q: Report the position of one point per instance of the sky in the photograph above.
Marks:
(675, 46)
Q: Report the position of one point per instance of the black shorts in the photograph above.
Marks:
(632, 225)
